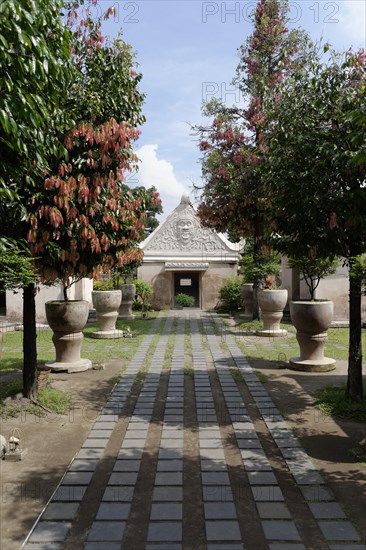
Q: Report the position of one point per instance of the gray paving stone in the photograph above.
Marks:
(136, 434)
(170, 453)
(102, 546)
(249, 444)
(48, 531)
(327, 510)
(113, 511)
(212, 454)
(133, 443)
(118, 494)
(339, 530)
(102, 425)
(69, 493)
(211, 443)
(89, 453)
(287, 442)
(130, 453)
(222, 530)
(213, 465)
(77, 478)
(168, 494)
(172, 434)
(166, 511)
(273, 510)
(122, 478)
(163, 546)
(169, 478)
(86, 465)
(174, 465)
(215, 478)
(280, 530)
(286, 546)
(262, 478)
(215, 493)
(256, 465)
(43, 546)
(225, 546)
(316, 493)
(95, 443)
(105, 531)
(166, 531)
(171, 443)
(308, 478)
(100, 434)
(209, 433)
(127, 465)
(60, 511)
(347, 547)
(220, 510)
(267, 493)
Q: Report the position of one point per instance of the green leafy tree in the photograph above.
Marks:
(313, 269)
(317, 175)
(35, 72)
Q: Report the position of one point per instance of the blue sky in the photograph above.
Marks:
(187, 52)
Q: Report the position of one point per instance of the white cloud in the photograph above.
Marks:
(160, 173)
(353, 20)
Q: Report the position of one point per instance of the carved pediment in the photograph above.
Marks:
(182, 233)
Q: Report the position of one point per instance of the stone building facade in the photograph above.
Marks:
(181, 256)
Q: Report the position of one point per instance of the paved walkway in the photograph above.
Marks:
(190, 452)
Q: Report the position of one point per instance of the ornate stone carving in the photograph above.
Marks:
(182, 231)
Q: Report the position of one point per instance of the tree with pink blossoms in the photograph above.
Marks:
(234, 197)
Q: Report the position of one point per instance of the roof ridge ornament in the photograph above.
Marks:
(185, 198)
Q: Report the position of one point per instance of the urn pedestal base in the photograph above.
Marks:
(75, 366)
(321, 365)
(107, 334)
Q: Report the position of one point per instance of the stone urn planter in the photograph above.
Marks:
(246, 291)
(272, 303)
(107, 303)
(128, 296)
(312, 320)
(67, 320)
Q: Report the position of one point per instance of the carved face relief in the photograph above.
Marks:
(184, 230)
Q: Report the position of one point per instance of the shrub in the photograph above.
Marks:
(103, 285)
(184, 300)
(229, 294)
(144, 294)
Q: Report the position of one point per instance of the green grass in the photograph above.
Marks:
(55, 400)
(332, 401)
(286, 347)
(97, 350)
(261, 377)
(236, 374)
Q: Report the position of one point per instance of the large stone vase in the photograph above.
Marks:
(312, 320)
(106, 303)
(128, 296)
(246, 291)
(272, 303)
(67, 320)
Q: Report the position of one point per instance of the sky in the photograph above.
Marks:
(187, 53)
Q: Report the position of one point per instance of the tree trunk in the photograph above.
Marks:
(29, 343)
(257, 252)
(354, 381)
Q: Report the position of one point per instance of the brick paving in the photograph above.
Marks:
(190, 452)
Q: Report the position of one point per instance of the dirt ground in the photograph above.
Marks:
(52, 442)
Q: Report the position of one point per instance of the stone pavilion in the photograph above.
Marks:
(182, 256)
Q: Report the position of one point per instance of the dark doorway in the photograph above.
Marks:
(188, 282)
